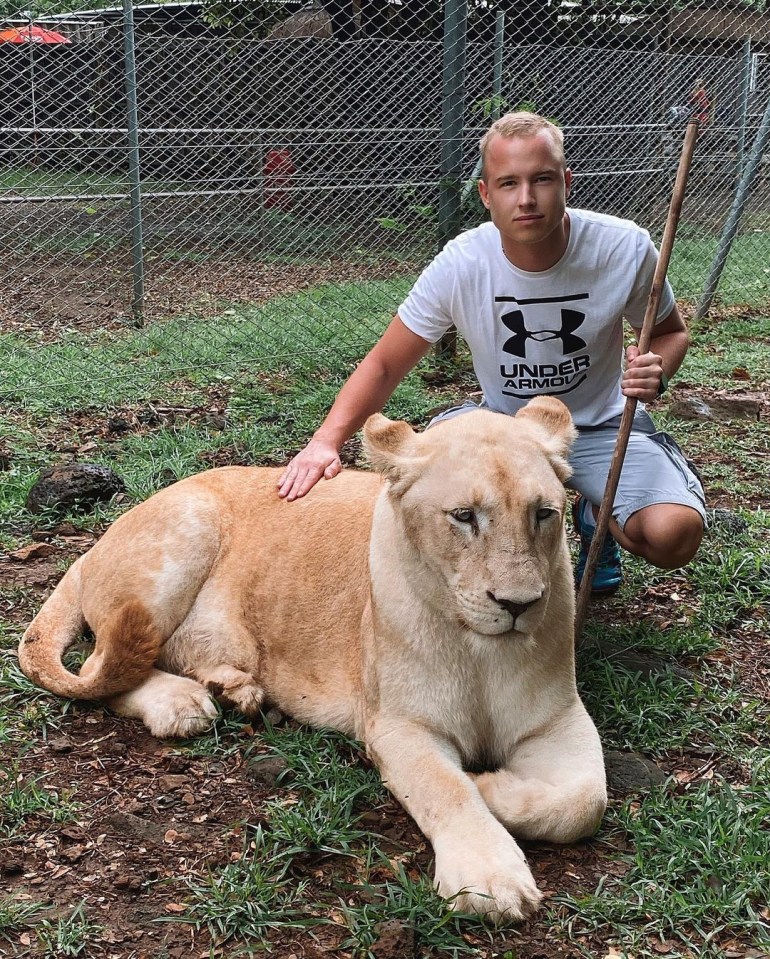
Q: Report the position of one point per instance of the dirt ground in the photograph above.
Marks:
(152, 816)
(63, 292)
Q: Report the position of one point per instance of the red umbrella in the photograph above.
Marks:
(31, 34)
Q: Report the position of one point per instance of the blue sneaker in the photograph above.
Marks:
(608, 575)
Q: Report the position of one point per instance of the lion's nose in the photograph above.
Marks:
(515, 609)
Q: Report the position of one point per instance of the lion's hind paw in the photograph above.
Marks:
(233, 687)
(170, 706)
(185, 718)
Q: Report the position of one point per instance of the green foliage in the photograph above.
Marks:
(68, 935)
(21, 799)
(321, 759)
(243, 18)
(249, 897)
(15, 915)
(416, 906)
(698, 868)
(663, 713)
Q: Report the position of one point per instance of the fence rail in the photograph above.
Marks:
(307, 147)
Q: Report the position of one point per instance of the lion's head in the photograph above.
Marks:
(475, 509)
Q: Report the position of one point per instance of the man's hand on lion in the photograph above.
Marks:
(318, 459)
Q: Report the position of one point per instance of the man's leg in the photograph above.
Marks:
(659, 511)
(666, 535)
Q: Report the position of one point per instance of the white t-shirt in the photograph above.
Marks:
(558, 332)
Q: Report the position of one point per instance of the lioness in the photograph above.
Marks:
(427, 610)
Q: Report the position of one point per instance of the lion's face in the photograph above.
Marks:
(488, 532)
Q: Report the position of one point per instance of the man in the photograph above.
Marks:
(540, 294)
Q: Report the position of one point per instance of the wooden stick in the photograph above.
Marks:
(645, 336)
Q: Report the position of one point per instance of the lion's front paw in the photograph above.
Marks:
(493, 880)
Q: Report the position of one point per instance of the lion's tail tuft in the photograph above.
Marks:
(127, 646)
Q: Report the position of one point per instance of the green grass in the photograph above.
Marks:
(662, 714)
(698, 868)
(42, 181)
(250, 897)
(746, 275)
(15, 916)
(68, 935)
(22, 799)
(415, 906)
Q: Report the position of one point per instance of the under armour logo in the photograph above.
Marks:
(517, 344)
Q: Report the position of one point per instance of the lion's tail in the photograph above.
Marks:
(127, 645)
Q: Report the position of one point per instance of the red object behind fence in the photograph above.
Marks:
(31, 34)
(278, 171)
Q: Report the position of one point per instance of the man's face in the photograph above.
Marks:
(525, 188)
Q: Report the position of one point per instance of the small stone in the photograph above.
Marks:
(394, 938)
(728, 408)
(727, 521)
(73, 853)
(135, 828)
(33, 551)
(690, 408)
(274, 716)
(171, 782)
(631, 773)
(116, 424)
(267, 771)
(74, 485)
(60, 745)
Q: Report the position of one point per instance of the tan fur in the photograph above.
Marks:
(427, 611)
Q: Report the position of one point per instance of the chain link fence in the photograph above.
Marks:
(242, 182)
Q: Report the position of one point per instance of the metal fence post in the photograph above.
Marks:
(452, 117)
(496, 101)
(743, 106)
(736, 211)
(134, 167)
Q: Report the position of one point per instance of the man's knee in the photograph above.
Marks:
(666, 535)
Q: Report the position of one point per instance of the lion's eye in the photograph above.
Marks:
(464, 515)
(544, 513)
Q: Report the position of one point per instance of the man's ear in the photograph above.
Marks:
(483, 193)
(567, 182)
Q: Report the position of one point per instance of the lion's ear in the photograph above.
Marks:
(391, 448)
(558, 432)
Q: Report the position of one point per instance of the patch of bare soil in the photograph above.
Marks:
(65, 291)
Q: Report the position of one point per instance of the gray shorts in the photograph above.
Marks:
(655, 469)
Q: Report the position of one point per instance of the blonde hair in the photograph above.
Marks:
(521, 123)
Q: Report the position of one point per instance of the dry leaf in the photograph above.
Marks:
(175, 907)
(662, 946)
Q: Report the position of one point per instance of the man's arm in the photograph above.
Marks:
(668, 347)
(365, 392)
